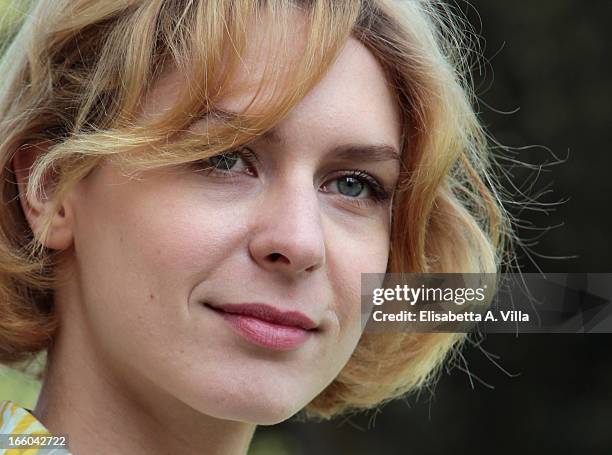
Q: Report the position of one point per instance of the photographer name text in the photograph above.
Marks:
(451, 316)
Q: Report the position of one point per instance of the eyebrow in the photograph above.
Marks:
(360, 152)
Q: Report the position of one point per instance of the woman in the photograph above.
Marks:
(193, 190)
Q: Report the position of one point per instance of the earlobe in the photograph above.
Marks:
(37, 209)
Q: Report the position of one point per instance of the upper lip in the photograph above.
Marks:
(268, 313)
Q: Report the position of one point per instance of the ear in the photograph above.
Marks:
(60, 233)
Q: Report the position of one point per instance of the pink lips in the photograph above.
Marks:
(267, 326)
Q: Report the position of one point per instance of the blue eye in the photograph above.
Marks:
(352, 184)
(225, 163)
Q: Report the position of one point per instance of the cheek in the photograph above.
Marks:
(351, 255)
(158, 231)
(141, 247)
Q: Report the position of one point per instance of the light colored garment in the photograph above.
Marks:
(15, 420)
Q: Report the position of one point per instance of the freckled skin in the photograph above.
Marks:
(147, 252)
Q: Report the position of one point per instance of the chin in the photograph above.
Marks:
(252, 413)
(263, 413)
(275, 416)
(255, 405)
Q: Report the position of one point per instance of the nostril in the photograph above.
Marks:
(276, 257)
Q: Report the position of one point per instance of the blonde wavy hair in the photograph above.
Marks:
(73, 77)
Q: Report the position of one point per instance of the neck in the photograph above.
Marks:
(83, 397)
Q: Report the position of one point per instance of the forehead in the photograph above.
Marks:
(354, 96)
(354, 93)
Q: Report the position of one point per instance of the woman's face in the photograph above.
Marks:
(156, 257)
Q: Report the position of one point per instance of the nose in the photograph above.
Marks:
(288, 235)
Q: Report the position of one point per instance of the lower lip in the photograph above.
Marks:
(267, 334)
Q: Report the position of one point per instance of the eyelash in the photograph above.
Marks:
(379, 194)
